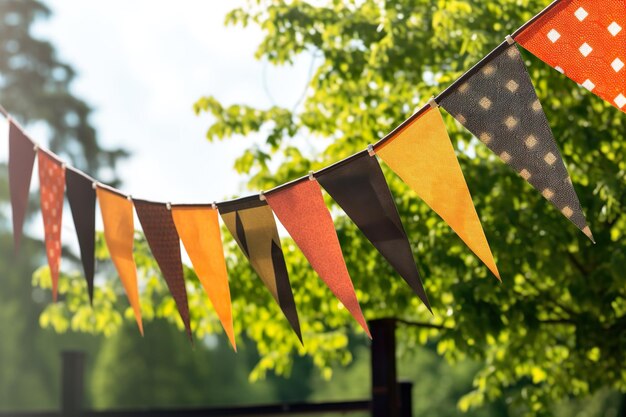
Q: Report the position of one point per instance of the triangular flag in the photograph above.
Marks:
(301, 209)
(52, 188)
(21, 161)
(585, 40)
(423, 156)
(160, 231)
(361, 190)
(252, 224)
(82, 197)
(199, 229)
(499, 105)
(119, 233)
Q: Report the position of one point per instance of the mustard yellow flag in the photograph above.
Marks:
(423, 156)
(119, 232)
(199, 229)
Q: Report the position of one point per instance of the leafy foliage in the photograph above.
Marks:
(556, 327)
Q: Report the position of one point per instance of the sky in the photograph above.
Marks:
(142, 64)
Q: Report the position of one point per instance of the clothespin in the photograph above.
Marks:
(129, 197)
(262, 196)
(433, 103)
(509, 39)
(168, 205)
(370, 150)
(94, 185)
(214, 205)
(311, 175)
(36, 147)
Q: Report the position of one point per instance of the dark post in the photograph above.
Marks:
(406, 399)
(72, 386)
(385, 392)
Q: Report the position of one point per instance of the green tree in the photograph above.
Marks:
(35, 87)
(556, 327)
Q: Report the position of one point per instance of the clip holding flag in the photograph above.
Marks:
(370, 150)
(168, 205)
(262, 196)
(311, 175)
(433, 103)
(509, 39)
(214, 205)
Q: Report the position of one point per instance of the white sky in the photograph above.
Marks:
(143, 63)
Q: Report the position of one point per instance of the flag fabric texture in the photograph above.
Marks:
(52, 190)
(362, 192)
(252, 225)
(586, 41)
(21, 162)
(160, 232)
(119, 233)
(199, 230)
(499, 105)
(423, 156)
(301, 209)
(82, 198)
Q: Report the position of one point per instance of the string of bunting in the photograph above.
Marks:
(495, 100)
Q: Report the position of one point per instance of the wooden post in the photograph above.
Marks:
(72, 383)
(406, 399)
(385, 391)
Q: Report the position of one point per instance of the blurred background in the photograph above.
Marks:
(199, 101)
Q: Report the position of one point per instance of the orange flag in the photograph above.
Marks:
(199, 229)
(586, 41)
(52, 188)
(423, 156)
(119, 233)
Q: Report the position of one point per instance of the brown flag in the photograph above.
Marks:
(160, 231)
(499, 105)
(82, 197)
(361, 190)
(21, 161)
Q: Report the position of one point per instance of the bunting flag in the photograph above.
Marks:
(82, 197)
(199, 229)
(495, 100)
(160, 231)
(301, 209)
(252, 225)
(52, 188)
(119, 233)
(362, 192)
(499, 105)
(585, 40)
(21, 161)
(423, 156)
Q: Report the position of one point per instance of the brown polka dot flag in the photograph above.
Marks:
(498, 104)
(160, 231)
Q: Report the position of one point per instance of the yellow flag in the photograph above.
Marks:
(423, 156)
(119, 232)
(199, 229)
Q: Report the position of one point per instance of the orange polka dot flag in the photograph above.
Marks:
(585, 40)
(52, 190)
